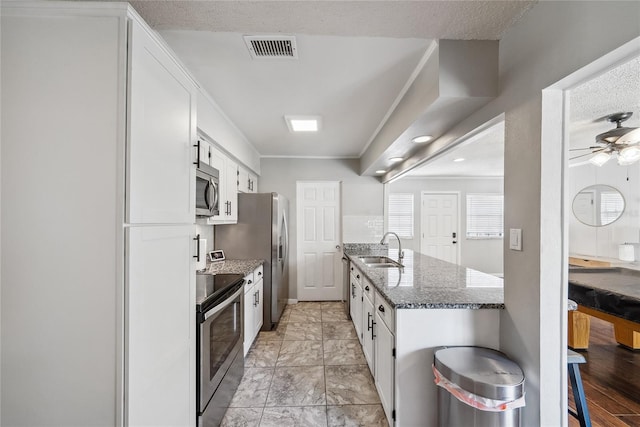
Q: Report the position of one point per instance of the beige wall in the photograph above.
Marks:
(482, 254)
(552, 41)
(361, 195)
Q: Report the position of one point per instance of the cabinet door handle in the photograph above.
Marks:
(197, 255)
(353, 290)
(259, 273)
(249, 282)
(381, 308)
(366, 288)
(257, 297)
(357, 276)
(369, 323)
(197, 146)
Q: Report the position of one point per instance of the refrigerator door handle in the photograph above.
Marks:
(286, 240)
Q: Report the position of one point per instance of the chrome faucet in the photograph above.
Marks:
(400, 252)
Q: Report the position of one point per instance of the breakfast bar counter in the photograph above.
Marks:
(427, 282)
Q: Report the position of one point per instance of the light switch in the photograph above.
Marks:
(515, 239)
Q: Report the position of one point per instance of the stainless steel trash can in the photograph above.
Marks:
(475, 374)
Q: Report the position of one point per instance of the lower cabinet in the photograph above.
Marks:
(253, 306)
(160, 326)
(368, 331)
(384, 370)
(356, 305)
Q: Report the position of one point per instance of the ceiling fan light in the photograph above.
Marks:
(600, 159)
(630, 154)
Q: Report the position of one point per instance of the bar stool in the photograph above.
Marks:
(573, 361)
(582, 411)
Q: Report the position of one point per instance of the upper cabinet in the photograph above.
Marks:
(228, 188)
(247, 181)
(162, 111)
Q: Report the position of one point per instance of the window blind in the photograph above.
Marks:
(485, 216)
(611, 205)
(401, 214)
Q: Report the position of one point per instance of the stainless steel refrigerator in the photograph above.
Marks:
(261, 233)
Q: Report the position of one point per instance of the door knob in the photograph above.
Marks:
(338, 247)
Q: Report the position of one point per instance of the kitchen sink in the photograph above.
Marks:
(379, 262)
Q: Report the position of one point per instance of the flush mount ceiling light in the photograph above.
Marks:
(396, 159)
(422, 138)
(621, 142)
(381, 171)
(459, 159)
(303, 123)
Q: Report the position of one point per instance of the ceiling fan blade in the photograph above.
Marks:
(585, 148)
(588, 154)
(582, 155)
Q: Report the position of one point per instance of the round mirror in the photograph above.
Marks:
(598, 205)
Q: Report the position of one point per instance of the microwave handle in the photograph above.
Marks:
(212, 191)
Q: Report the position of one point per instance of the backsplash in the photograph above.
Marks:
(362, 228)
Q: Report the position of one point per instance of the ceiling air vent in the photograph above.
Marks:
(271, 47)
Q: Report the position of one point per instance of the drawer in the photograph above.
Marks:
(356, 275)
(249, 281)
(385, 311)
(367, 289)
(258, 273)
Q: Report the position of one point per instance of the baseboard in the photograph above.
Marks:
(292, 301)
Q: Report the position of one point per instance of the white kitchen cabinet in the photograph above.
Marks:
(369, 327)
(253, 307)
(258, 317)
(161, 328)
(162, 128)
(110, 114)
(228, 188)
(247, 181)
(356, 302)
(384, 371)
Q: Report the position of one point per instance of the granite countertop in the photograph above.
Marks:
(232, 266)
(427, 282)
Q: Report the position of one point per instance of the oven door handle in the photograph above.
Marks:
(225, 304)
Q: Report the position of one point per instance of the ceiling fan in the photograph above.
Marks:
(621, 141)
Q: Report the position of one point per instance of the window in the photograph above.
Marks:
(485, 214)
(611, 206)
(401, 214)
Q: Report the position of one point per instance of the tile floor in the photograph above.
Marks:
(310, 371)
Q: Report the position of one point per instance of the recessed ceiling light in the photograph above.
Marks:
(422, 138)
(381, 171)
(396, 159)
(303, 123)
(459, 159)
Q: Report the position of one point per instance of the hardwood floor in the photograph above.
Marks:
(611, 379)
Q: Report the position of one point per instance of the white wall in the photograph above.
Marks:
(603, 241)
(361, 195)
(483, 255)
(553, 40)
(60, 286)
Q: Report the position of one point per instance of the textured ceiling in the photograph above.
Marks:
(355, 57)
(615, 91)
(468, 20)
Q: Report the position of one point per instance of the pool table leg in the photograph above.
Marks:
(578, 326)
(627, 337)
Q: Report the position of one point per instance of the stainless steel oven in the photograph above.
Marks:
(219, 317)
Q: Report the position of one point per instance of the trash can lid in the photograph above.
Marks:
(481, 371)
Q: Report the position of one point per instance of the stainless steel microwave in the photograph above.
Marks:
(207, 190)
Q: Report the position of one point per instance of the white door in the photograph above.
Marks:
(160, 326)
(162, 128)
(319, 238)
(440, 232)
